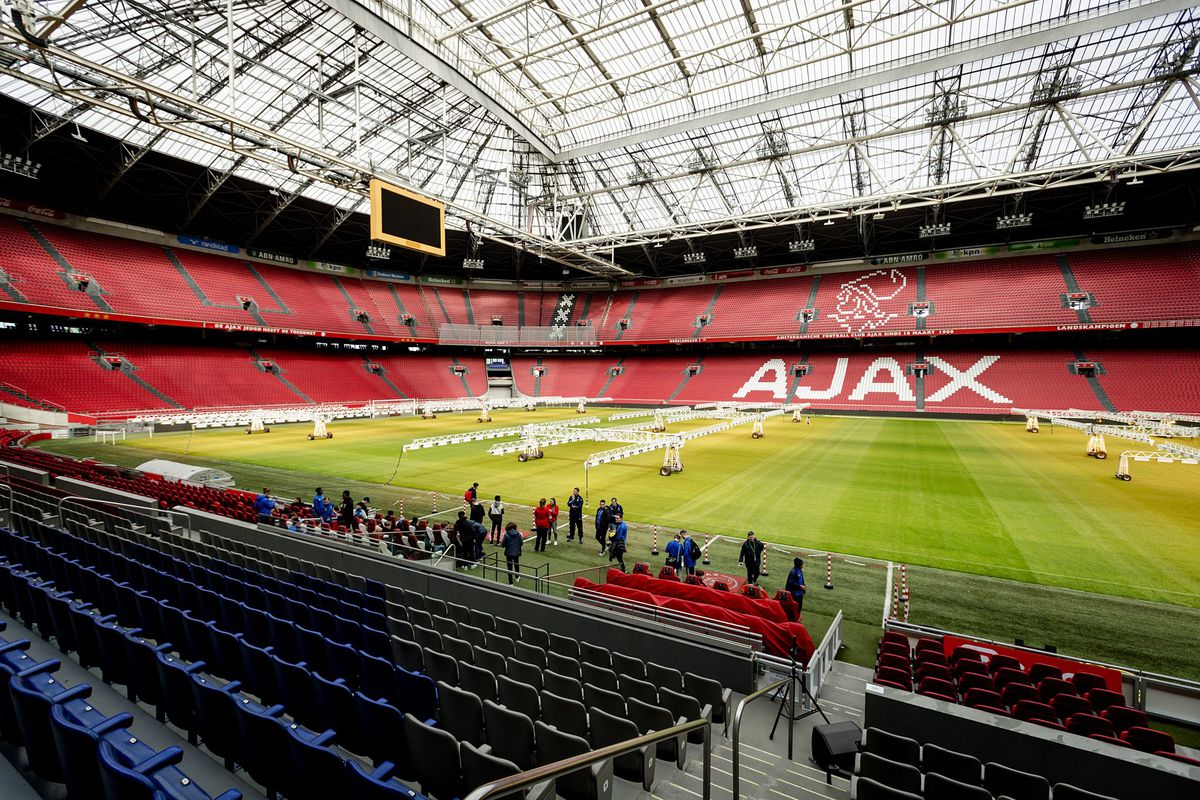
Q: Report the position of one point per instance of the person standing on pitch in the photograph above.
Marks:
(616, 547)
(615, 509)
(575, 515)
(512, 551)
(496, 514)
(751, 556)
(541, 525)
(602, 521)
(795, 584)
(553, 510)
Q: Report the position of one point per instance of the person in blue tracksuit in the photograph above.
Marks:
(575, 515)
(689, 554)
(322, 508)
(616, 547)
(264, 506)
(675, 552)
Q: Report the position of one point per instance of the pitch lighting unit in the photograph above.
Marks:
(25, 167)
(694, 258)
(802, 246)
(750, 251)
(937, 229)
(379, 252)
(472, 263)
(1099, 210)
(1014, 221)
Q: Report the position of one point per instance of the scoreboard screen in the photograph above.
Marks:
(403, 218)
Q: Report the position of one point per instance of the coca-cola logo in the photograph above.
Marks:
(42, 212)
(5, 202)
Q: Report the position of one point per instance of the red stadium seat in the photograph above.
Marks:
(1149, 741)
(1123, 718)
(999, 662)
(1087, 724)
(1103, 698)
(1039, 671)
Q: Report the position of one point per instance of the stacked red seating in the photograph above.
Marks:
(997, 293)
(758, 308)
(65, 374)
(1000, 684)
(1150, 380)
(486, 304)
(330, 377)
(1149, 283)
(563, 377)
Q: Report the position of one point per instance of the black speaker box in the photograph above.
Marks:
(834, 746)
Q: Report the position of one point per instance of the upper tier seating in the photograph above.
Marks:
(189, 287)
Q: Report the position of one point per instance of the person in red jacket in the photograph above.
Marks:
(553, 509)
(541, 525)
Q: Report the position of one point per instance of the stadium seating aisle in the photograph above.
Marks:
(33, 273)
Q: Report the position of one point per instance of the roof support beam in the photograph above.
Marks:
(408, 46)
(863, 79)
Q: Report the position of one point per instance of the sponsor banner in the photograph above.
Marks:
(207, 244)
(784, 270)
(325, 266)
(1069, 667)
(267, 255)
(867, 334)
(235, 326)
(1049, 244)
(438, 279)
(587, 285)
(968, 252)
(388, 275)
(726, 276)
(639, 282)
(38, 211)
(1097, 326)
(906, 258)
(684, 280)
(1132, 236)
(542, 284)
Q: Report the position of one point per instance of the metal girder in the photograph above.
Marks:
(945, 58)
(386, 23)
(76, 77)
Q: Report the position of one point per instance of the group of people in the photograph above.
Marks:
(751, 556)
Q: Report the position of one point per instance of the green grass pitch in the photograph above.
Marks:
(963, 498)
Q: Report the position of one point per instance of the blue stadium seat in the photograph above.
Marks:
(156, 778)
(175, 679)
(33, 693)
(317, 770)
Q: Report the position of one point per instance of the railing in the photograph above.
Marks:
(737, 635)
(737, 730)
(514, 334)
(82, 501)
(537, 775)
(821, 662)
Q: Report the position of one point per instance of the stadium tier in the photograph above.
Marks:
(63, 269)
(108, 377)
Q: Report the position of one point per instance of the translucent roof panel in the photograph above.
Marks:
(647, 115)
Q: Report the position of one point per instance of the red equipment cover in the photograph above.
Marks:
(768, 609)
(777, 637)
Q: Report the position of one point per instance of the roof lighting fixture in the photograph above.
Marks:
(1098, 210)
(379, 252)
(802, 246)
(1014, 221)
(934, 230)
(472, 263)
(697, 257)
(25, 167)
(749, 251)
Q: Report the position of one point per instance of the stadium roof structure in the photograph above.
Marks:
(574, 129)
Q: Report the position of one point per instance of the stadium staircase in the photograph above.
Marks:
(276, 372)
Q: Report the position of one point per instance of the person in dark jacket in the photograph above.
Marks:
(477, 511)
(466, 539)
(346, 511)
(602, 522)
(689, 554)
(615, 509)
(795, 584)
(512, 551)
(751, 556)
(575, 514)
(675, 552)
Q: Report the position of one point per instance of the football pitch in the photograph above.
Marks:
(960, 502)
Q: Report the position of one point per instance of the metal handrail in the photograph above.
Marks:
(82, 501)
(442, 555)
(522, 780)
(737, 728)
(11, 497)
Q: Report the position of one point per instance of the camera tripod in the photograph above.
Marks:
(787, 694)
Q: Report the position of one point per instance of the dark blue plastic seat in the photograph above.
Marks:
(77, 729)
(294, 687)
(318, 771)
(34, 692)
(175, 682)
